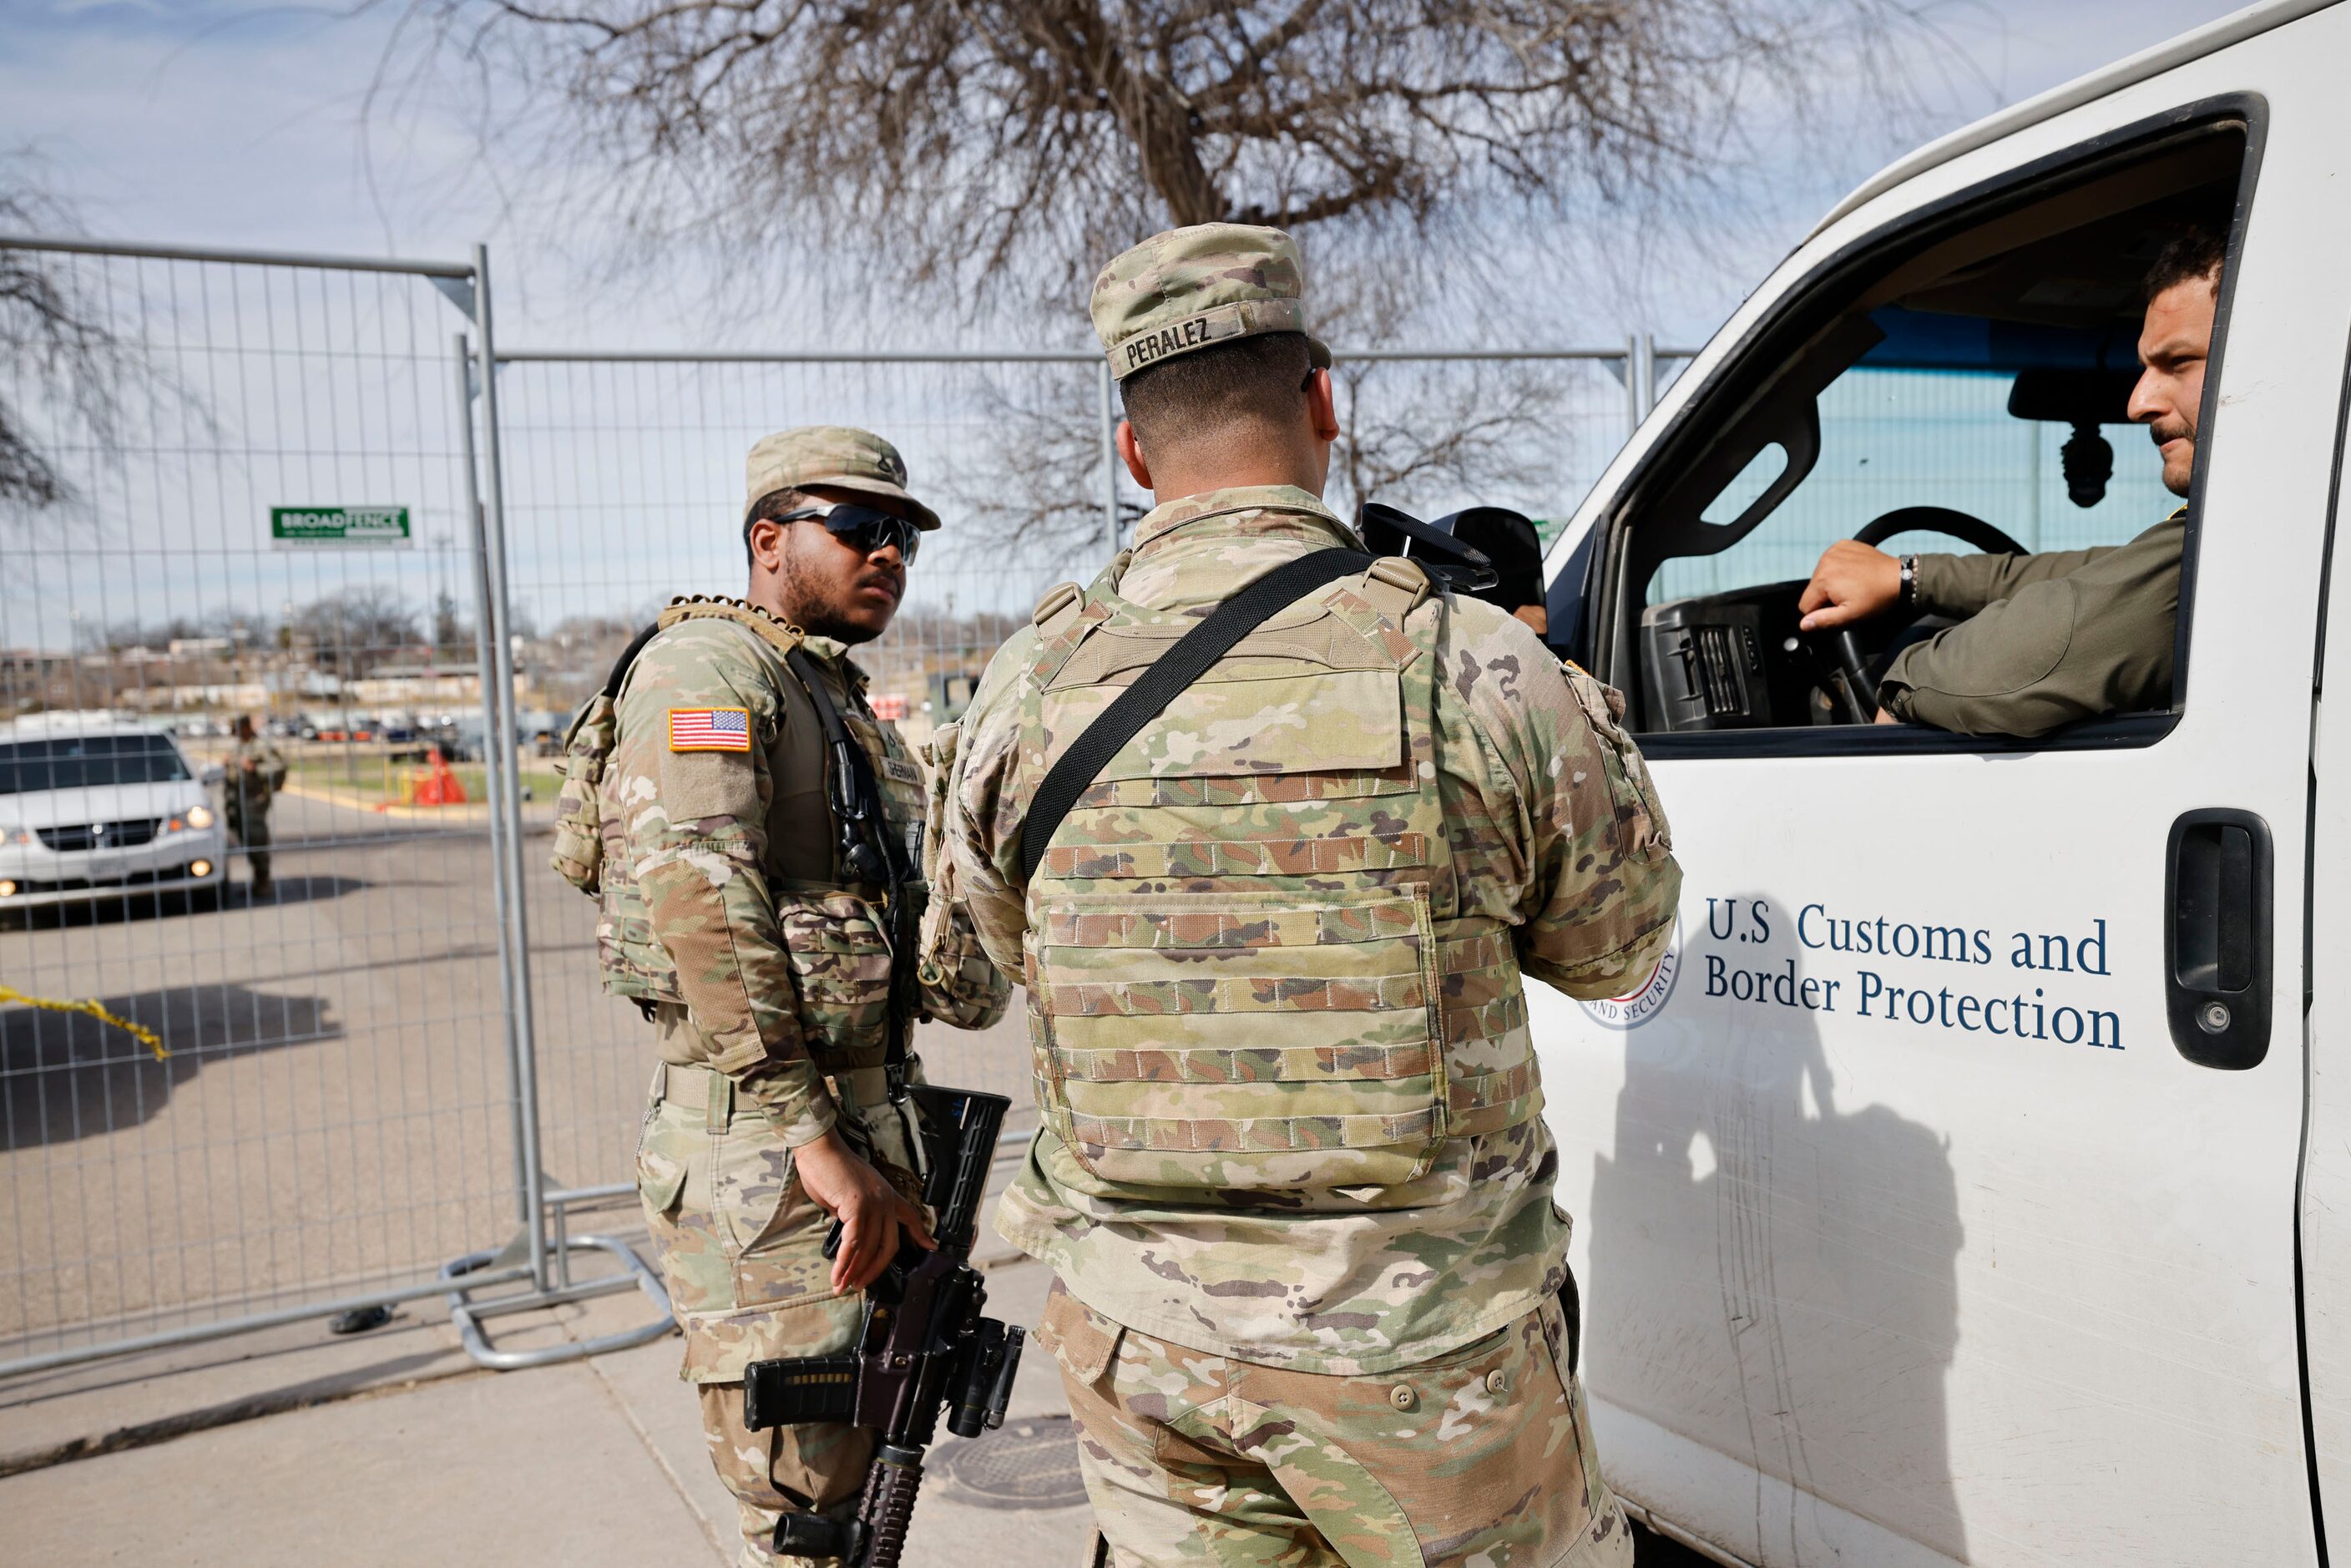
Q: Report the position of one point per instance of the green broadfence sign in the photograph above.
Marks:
(376, 526)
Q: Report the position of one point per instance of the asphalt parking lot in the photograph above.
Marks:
(336, 1108)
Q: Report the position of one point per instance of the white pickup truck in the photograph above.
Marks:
(1973, 1184)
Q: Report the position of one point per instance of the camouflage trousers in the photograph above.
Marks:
(742, 1253)
(1481, 1458)
(252, 834)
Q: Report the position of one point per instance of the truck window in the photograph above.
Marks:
(1902, 429)
(1965, 391)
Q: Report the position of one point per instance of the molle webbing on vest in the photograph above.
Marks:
(578, 851)
(1245, 968)
(634, 963)
(774, 630)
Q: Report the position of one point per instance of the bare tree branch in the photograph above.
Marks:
(995, 151)
(52, 343)
(1414, 434)
(979, 155)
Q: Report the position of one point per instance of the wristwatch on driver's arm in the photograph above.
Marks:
(1910, 582)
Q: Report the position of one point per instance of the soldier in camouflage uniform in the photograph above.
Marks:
(1293, 1180)
(773, 968)
(255, 772)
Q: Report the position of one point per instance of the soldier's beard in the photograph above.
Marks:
(816, 606)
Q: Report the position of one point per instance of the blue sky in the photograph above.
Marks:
(224, 120)
(224, 123)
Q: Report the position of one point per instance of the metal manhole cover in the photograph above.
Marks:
(1026, 1463)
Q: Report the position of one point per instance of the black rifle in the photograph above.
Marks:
(924, 1346)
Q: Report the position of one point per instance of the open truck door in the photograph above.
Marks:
(1944, 1206)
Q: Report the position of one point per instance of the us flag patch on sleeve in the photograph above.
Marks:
(709, 729)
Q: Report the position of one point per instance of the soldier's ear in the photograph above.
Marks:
(1321, 406)
(766, 540)
(1131, 450)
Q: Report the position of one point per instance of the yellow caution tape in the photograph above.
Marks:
(154, 1041)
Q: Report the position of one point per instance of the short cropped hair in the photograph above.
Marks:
(2195, 252)
(769, 508)
(1260, 378)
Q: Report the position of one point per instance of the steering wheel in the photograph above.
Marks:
(1855, 665)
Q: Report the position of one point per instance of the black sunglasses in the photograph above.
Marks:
(865, 529)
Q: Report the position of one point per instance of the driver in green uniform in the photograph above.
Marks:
(2070, 634)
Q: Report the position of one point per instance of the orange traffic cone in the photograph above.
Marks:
(439, 785)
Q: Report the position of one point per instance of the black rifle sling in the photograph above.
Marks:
(628, 656)
(1167, 679)
(854, 771)
(859, 786)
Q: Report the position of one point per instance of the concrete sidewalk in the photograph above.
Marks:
(391, 1447)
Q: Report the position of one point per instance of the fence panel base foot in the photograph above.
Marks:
(468, 1313)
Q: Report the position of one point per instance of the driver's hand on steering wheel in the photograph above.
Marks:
(1853, 582)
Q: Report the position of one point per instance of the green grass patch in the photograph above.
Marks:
(371, 780)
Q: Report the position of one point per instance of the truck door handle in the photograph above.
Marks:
(2216, 939)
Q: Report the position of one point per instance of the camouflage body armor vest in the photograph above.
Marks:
(838, 936)
(1246, 968)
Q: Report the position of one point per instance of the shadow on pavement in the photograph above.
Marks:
(65, 1076)
(291, 890)
(116, 908)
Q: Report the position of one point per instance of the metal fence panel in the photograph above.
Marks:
(354, 1072)
(335, 1112)
(624, 487)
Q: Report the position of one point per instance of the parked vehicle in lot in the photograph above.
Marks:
(94, 806)
(1972, 1185)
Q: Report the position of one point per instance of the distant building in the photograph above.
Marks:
(406, 685)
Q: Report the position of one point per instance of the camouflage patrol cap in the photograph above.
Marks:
(834, 454)
(1192, 287)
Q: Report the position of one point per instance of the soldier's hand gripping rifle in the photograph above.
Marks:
(924, 1346)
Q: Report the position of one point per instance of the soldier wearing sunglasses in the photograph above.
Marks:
(762, 861)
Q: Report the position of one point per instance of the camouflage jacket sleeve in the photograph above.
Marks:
(1581, 842)
(269, 769)
(983, 809)
(697, 838)
(961, 986)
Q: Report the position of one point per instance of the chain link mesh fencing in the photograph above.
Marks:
(260, 508)
(260, 499)
(624, 485)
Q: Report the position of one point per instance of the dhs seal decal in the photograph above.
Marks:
(1637, 1008)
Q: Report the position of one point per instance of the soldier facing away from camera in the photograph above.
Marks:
(756, 834)
(1311, 1301)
